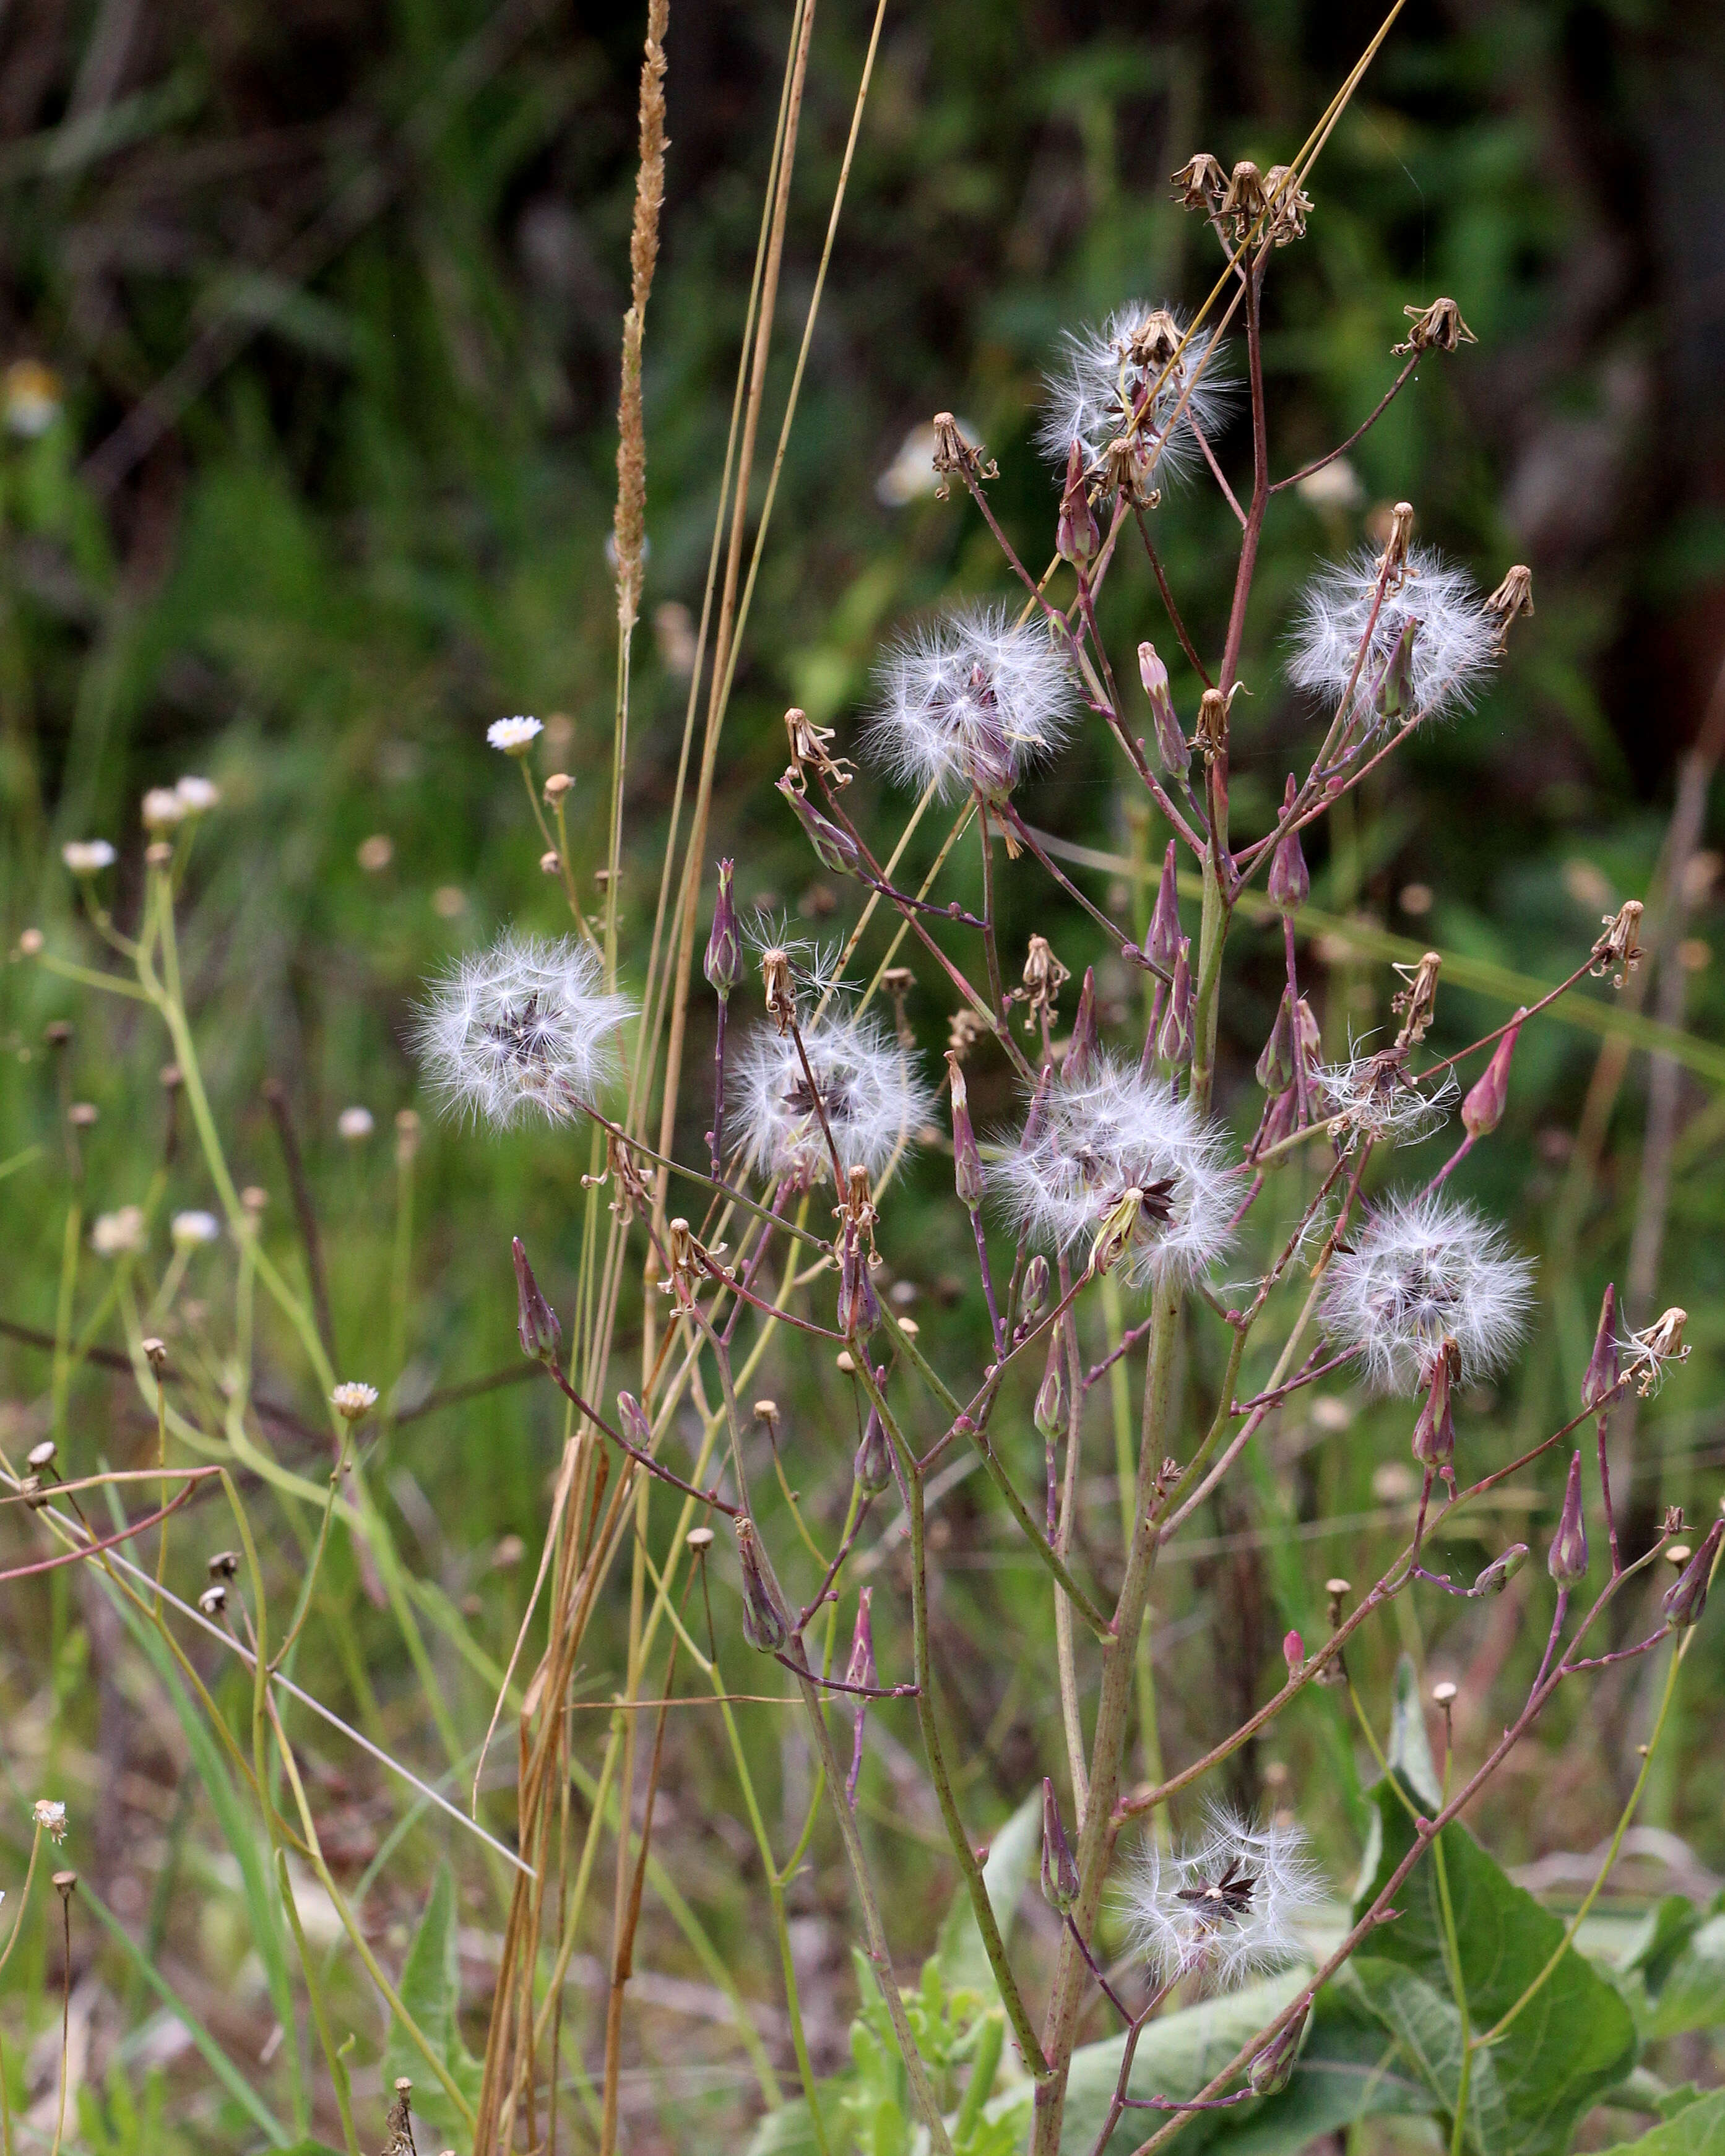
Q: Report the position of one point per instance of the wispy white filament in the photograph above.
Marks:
(1226, 1906)
(970, 700)
(1092, 397)
(1453, 641)
(874, 1098)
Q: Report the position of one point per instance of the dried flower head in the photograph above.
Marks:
(1372, 1097)
(866, 1086)
(1430, 645)
(514, 737)
(1619, 947)
(1106, 386)
(191, 1228)
(971, 701)
(1649, 1353)
(1420, 1268)
(1438, 327)
(1119, 1161)
(87, 857)
(49, 1813)
(118, 1235)
(521, 1031)
(1226, 1906)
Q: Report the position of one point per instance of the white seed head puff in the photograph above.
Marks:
(1229, 1906)
(1452, 650)
(1092, 396)
(1093, 1144)
(1374, 1099)
(873, 1097)
(970, 700)
(519, 1032)
(1420, 1269)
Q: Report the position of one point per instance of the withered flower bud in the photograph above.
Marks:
(1414, 1004)
(780, 988)
(723, 962)
(1433, 1442)
(1566, 1560)
(1076, 537)
(1393, 559)
(1245, 200)
(766, 1619)
(1272, 2068)
(535, 1324)
(1619, 945)
(1051, 1411)
(1687, 1597)
(1174, 1041)
(1162, 939)
(1482, 1109)
(1201, 182)
(810, 752)
(1289, 882)
(1171, 753)
(834, 848)
(1438, 326)
(1658, 1344)
(872, 1462)
(1497, 1575)
(1276, 1066)
(223, 1565)
(1059, 1868)
(1210, 735)
(1513, 599)
(858, 1305)
(1085, 1046)
(966, 1161)
(156, 1354)
(953, 454)
(1600, 1381)
(1290, 204)
(213, 1600)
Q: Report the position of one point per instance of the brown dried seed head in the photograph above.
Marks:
(1200, 182)
(557, 785)
(1290, 204)
(1438, 326)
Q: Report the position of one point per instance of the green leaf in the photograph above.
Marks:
(1575, 2039)
(1016, 1850)
(1682, 1967)
(431, 1992)
(1428, 2024)
(1698, 2130)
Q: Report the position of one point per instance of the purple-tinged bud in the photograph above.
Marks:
(1083, 1049)
(1276, 1066)
(1076, 535)
(1050, 1411)
(766, 1619)
(723, 963)
(1272, 2068)
(1172, 752)
(1566, 1560)
(1600, 1381)
(1173, 1042)
(1278, 1123)
(1309, 1033)
(835, 849)
(1435, 1432)
(966, 1161)
(1497, 1575)
(632, 1416)
(1035, 1290)
(1482, 1110)
(1290, 884)
(1687, 1597)
(858, 1305)
(1059, 1868)
(1293, 1652)
(1162, 940)
(536, 1323)
(872, 1463)
(859, 1670)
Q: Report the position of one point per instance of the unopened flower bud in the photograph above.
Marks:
(223, 1565)
(835, 849)
(766, 1620)
(966, 1161)
(1272, 2068)
(1434, 1443)
(1293, 1652)
(633, 1418)
(537, 1326)
(213, 1600)
(1076, 537)
(859, 1670)
(1276, 1066)
(872, 1463)
(1566, 1560)
(1174, 1041)
(1162, 940)
(1083, 1047)
(155, 1354)
(1035, 1291)
(41, 1456)
(1497, 1575)
(723, 963)
(858, 1305)
(1687, 1597)
(1060, 1869)
(1601, 1381)
(1171, 753)
(1051, 1411)
(1290, 884)
(1482, 1110)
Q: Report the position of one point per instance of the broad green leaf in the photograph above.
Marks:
(1698, 2130)
(1016, 1853)
(1684, 1978)
(429, 1989)
(1427, 2025)
(1575, 2039)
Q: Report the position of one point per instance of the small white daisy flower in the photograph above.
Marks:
(521, 1032)
(189, 1229)
(118, 1235)
(514, 737)
(1226, 1906)
(49, 1813)
(353, 1400)
(1121, 1156)
(874, 1099)
(196, 796)
(970, 701)
(86, 857)
(355, 1125)
(1452, 646)
(1421, 1269)
(161, 808)
(1094, 395)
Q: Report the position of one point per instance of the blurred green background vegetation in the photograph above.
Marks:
(330, 296)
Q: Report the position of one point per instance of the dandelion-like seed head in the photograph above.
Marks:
(869, 1088)
(1095, 1145)
(1419, 1270)
(49, 1813)
(521, 1032)
(1094, 395)
(514, 737)
(1225, 1906)
(1374, 1097)
(971, 700)
(191, 1228)
(1452, 647)
(118, 1235)
(86, 857)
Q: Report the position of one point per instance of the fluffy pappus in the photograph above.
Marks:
(1090, 1145)
(1452, 650)
(1374, 1099)
(519, 1032)
(1228, 1906)
(969, 701)
(1092, 397)
(1420, 1269)
(875, 1099)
